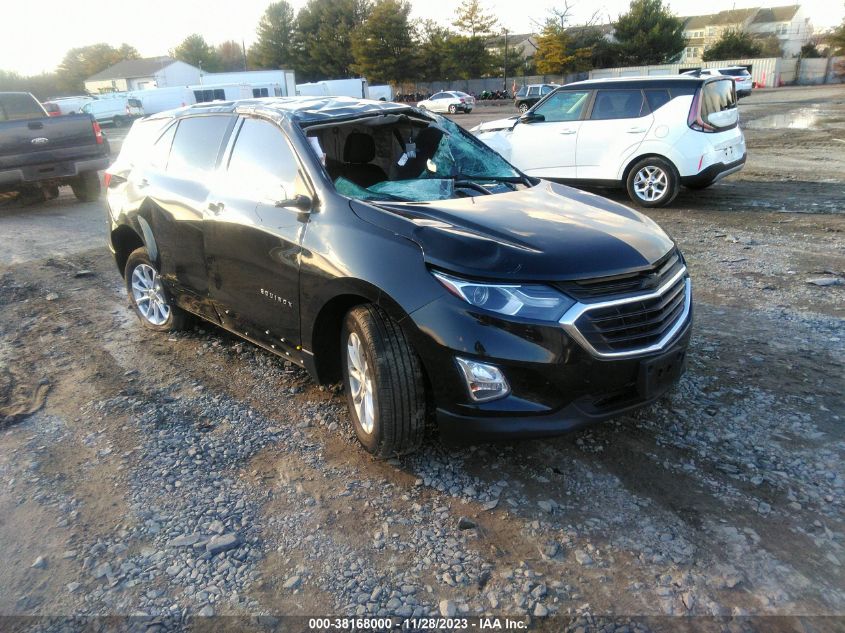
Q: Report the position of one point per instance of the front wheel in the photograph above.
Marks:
(453, 108)
(653, 182)
(149, 299)
(86, 186)
(383, 379)
(523, 108)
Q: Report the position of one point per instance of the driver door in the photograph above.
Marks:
(252, 247)
(545, 145)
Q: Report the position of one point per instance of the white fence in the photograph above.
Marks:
(769, 72)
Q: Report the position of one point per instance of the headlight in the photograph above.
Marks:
(522, 300)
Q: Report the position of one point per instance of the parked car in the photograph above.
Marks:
(41, 152)
(650, 135)
(52, 109)
(468, 98)
(527, 96)
(447, 101)
(117, 111)
(446, 283)
(741, 76)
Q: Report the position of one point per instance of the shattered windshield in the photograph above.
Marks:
(403, 159)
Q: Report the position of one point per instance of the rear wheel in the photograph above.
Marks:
(86, 186)
(384, 384)
(653, 182)
(152, 304)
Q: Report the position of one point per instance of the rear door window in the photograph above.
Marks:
(197, 143)
(618, 104)
(718, 104)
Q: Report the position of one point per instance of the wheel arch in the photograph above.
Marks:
(124, 240)
(324, 338)
(633, 161)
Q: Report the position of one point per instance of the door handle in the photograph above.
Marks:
(635, 130)
(216, 207)
(567, 131)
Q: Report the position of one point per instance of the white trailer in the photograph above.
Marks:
(157, 100)
(357, 88)
(381, 93)
(282, 81)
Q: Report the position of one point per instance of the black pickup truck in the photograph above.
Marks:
(40, 152)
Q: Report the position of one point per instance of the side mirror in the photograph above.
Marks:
(299, 202)
(531, 117)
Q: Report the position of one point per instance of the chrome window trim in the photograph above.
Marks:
(579, 309)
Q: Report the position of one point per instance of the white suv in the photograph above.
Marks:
(648, 134)
(741, 76)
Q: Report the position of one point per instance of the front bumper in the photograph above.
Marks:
(556, 384)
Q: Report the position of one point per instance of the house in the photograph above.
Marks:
(788, 23)
(520, 45)
(702, 31)
(142, 74)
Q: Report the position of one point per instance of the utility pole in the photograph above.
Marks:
(243, 48)
(505, 82)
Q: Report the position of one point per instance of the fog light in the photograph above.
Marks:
(484, 382)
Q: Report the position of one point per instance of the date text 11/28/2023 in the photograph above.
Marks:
(416, 624)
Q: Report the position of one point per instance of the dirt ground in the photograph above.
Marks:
(127, 458)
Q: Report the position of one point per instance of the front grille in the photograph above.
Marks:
(634, 325)
(620, 285)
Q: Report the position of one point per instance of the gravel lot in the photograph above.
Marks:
(170, 477)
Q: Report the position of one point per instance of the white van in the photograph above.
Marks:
(68, 105)
(356, 88)
(115, 110)
(157, 100)
(651, 135)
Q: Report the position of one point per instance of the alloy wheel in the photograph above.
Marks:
(651, 183)
(360, 382)
(149, 294)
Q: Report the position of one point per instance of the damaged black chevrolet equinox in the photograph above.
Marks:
(386, 247)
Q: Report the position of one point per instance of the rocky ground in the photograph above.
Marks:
(175, 477)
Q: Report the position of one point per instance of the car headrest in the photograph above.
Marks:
(359, 148)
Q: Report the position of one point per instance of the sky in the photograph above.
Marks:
(156, 26)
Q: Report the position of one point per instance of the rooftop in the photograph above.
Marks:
(302, 109)
(130, 68)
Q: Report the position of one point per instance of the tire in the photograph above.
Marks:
(118, 121)
(394, 374)
(174, 319)
(453, 108)
(86, 186)
(653, 182)
(523, 108)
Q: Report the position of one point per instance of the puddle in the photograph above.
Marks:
(803, 119)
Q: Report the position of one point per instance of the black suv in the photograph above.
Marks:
(386, 247)
(527, 96)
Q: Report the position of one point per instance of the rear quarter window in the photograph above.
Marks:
(718, 104)
(15, 107)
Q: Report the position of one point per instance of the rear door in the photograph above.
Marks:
(546, 147)
(178, 194)
(618, 123)
(252, 247)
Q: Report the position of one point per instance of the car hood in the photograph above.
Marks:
(547, 232)
(498, 124)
